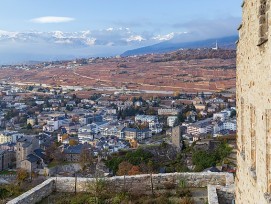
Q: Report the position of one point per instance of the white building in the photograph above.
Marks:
(85, 137)
(230, 125)
(146, 118)
(171, 120)
(168, 111)
(222, 116)
(155, 127)
(9, 137)
(200, 127)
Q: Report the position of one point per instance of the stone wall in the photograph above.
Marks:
(140, 184)
(145, 183)
(70, 168)
(225, 194)
(212, 195)
(253, 180)
(221, 194)
(35, 194)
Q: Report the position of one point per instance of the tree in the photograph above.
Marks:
(29, 126)
(22, 175)
(135, 170)
(233, 113)
(86, 158)
(124, 168)
(54, 153)
(73, 142)
(65, 136)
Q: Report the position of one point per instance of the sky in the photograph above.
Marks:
(113, 25)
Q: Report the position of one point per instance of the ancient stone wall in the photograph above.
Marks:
(35, 194)
(253, 180)
(141, 184)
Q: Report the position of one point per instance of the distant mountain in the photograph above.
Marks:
(169, 46)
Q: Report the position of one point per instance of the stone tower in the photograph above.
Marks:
(176, 137)
(253, 180)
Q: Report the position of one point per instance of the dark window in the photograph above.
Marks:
(263, 22)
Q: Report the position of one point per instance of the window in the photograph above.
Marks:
(263, 22)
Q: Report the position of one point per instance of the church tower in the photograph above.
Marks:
(253, 179)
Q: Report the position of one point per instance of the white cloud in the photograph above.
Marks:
(164, 37)
(135, 38)
(109, 29)
(167, 36)
(52, 19)
(7, 33)
(90, 41)
(58, 34)
(67, 41)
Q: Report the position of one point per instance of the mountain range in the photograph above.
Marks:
(21, 47)
(171, 45)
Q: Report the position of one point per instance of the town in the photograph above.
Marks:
(48, 131)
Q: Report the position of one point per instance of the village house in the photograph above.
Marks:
(7, 159)
(200, 127)
(9, 136)
(168, 111)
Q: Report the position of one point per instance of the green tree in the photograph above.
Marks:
(29, 126)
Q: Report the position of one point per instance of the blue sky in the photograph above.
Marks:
(142, 15)
(120, 23)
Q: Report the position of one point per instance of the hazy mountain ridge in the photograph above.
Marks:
(82, 38)
(169, 46)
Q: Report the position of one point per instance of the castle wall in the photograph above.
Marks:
(254, 104)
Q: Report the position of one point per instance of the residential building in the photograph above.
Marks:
(9, 137)
(171, 120)
(145, 118)
(133, 133)
(168, 111)
(7, 159)
(200, 127)
(200, 106)
(72, 153)
(220, 116)
(155, 127)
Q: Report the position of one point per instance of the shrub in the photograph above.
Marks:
(186, 200)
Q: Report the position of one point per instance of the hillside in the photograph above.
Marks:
(184, 70)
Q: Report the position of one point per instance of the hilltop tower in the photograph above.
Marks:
(216, 46)
(253, 180)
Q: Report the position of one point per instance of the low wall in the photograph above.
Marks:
(221, 194)
(35, 194)
(225, 194)
(141, 184)
(212, 195)
(145, 183)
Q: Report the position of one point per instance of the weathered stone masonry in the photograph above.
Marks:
(253, 180)
(140, 183)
